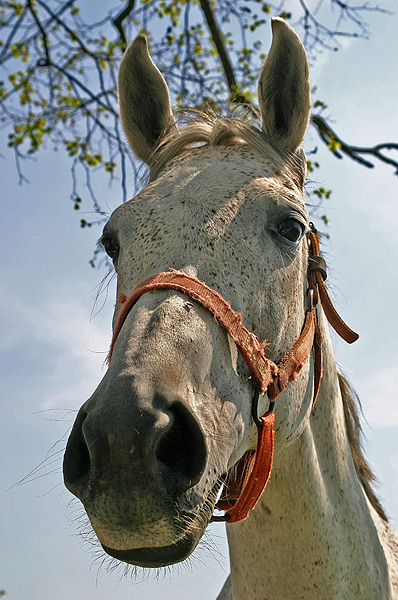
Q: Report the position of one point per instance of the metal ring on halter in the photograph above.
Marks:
(312, 227)
(310, 299)
(255, 400)
(220, 518)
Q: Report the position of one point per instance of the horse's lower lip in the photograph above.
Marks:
(165, 555)
(156, 557)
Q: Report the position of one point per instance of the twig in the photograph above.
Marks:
(223, 54)
(338, 147)
(47, 61)
(117, 21)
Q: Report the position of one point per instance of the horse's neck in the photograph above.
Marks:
(311, 535)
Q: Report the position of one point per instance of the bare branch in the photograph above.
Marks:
(338, 147)
(47, 61)
(118, 21)
(219, 44)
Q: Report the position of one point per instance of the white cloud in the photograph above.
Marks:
(62, 350)
(378, 393)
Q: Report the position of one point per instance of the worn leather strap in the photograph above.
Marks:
(243, 488)
(316, 280)
(265, 374)
(262, 370)
(292, 363)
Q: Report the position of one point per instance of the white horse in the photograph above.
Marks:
(150, 450)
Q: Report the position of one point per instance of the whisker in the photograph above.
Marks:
(103, 287)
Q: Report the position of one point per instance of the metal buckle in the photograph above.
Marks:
(317, 263)
(256, 396)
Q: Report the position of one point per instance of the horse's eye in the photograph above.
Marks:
(291, 231)
(111, 247)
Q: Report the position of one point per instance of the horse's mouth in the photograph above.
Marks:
(157, 557)
(172, 552)
(162, 556)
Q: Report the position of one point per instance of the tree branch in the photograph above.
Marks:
(71, 32)
(219, 43)
(47, 61)
(223, 54)
(117, 21)
(338, 147)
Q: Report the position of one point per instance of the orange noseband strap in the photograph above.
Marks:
(246, 481)
(262, 370)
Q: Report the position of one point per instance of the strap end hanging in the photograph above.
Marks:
(332, 315)
(317, 269)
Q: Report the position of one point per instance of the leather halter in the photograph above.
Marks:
(246, 480)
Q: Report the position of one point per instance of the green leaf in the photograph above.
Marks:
(319, 104)
(325, 219)
(322, 192)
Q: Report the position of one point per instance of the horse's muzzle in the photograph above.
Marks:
(134, 471)
(174, 455)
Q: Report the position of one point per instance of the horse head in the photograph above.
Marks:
(150, 450)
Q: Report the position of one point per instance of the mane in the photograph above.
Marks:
(351, 405)
(198, 129)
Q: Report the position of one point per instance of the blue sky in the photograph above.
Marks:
(52, 350)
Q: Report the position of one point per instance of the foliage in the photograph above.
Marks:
(59, 60)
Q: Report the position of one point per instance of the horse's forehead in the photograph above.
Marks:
(225, 169)
(207, 178)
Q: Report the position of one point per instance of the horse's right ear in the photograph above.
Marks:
(144, 100)
(284, 88)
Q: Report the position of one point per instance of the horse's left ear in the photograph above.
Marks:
(284, 88)
(144, 100)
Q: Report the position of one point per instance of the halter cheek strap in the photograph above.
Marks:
(247, 479)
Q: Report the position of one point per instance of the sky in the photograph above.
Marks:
(53, 347)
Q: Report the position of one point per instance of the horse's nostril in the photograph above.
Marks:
(77, 457)
(181, 452)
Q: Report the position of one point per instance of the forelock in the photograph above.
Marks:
(199, 129)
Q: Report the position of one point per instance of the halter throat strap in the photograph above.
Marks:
(246, 481)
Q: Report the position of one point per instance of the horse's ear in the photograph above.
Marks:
(144, 100)
(284, 88)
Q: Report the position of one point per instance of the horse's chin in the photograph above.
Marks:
(164, 542)
(169, 538)
(157, 557)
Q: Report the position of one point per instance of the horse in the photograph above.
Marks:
(193, 411)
